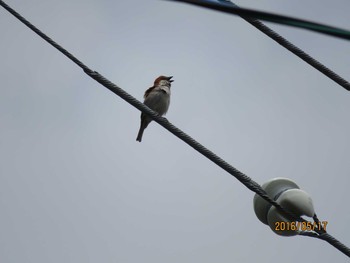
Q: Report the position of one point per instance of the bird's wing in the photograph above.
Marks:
(147, 92)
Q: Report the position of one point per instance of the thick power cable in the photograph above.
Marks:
(275, 36)
(330, 239)
(247, 181)
(297, 51)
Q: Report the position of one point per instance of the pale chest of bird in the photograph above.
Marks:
(159, 99)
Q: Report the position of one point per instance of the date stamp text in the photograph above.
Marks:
(300, 226)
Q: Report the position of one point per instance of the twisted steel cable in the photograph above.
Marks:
(275, 36)
(297, 51)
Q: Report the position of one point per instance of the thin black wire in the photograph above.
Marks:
(247, 181)
(226, 7)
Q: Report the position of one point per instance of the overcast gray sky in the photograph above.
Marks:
(75, 186)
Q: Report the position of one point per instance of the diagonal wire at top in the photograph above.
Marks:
(275, 36)
(227, 6)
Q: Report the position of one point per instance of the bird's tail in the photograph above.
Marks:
(145, 120)
(139, 135)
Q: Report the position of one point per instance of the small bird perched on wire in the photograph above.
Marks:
(156, 98)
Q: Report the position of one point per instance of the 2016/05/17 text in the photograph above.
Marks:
(300, 226)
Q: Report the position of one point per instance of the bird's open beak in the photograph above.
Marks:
(170, 79)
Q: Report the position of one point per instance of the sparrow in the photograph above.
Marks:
(156, 98)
